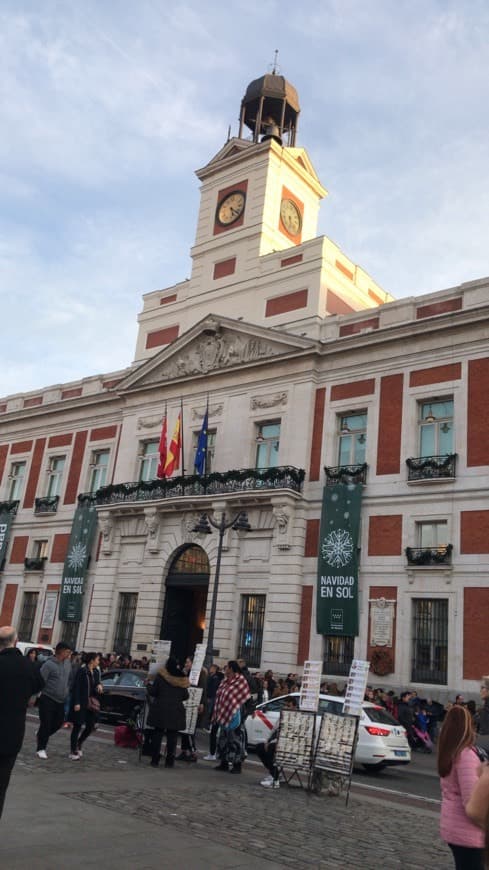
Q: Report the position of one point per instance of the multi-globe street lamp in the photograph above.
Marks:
(239, 523)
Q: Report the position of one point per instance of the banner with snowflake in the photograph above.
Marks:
(337, 588)
(76, 563)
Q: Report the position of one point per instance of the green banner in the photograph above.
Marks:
(6, 519)
(76, 563)
(337, 589)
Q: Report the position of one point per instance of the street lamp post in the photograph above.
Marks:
(240, 524)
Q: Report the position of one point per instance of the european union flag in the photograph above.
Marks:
(201, 452)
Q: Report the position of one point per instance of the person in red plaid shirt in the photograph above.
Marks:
(232, 693)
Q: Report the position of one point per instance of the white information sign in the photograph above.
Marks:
(197, 663)
(355, 687)
(160, 652)
(49, 611)
(381, 622)
(295, 742)
(310, 686)
(192, 709)
(336, 743)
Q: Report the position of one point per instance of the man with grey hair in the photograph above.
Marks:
(19, 681)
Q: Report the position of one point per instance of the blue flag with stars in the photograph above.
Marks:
(201, 452)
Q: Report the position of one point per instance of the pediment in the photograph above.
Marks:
(232, 148)
(215, 344)
(301, 156)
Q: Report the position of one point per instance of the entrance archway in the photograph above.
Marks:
(185, 601)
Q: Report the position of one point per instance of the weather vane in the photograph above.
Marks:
(275, 66)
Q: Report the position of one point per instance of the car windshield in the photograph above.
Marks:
(378, 714)
(131, 680)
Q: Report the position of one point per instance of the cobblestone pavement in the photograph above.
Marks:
(111, 811)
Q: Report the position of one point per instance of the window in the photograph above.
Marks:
(436, 427)
(98, 469)
(338, 654)
(28, 615)
(40, 549)
(17, 475)
(211, 449)
(268, 443)
(432, 534)
(149, 458)
(128, 602)
(429, 640)
(69, 633)
(55, 475)
(251, 629)
(352, 439)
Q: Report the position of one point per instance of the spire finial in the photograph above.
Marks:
(275, 63)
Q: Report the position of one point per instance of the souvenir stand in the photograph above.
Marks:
(297, 729)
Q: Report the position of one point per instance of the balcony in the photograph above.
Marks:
(429, 557)
(216, 483)
(10, 507)
(35, 563)
(346, 474)
(46, 505)
(432, 467)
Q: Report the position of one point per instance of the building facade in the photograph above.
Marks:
(311, 375)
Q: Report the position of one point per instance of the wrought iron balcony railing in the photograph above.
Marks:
(346, 474)
(426, 556)
(432, 467)
(216, 483)
(46, 505)
(10, 507)
(35, 564)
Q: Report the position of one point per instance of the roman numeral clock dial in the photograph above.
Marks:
(230, 208)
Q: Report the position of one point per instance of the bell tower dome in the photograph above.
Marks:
(270, 109)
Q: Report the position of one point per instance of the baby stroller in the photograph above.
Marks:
(421, 740)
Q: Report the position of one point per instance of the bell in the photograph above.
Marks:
(271, 130)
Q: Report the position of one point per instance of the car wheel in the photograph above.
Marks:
(373, 768)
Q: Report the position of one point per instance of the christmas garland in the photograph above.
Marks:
(381, 662)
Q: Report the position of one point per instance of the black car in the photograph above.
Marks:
(123, 691)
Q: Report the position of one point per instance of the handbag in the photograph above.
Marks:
(93, 704)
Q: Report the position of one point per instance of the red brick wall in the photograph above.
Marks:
(60, 547)
(75, 468)
(19, 549)
(478, 402)
(60, 440)
(166, 299)
(311, 543)
(476, 648)
(287, 302)
(8, 604)
(162, 336)
(305, 625)
(33, 401)
(3, 459)
(289, 261)
(474, 532)
(439, 308)
(35, 470)
(353, 328)
(21, 447)
(385, 535)
(390, 593)
(317, 434)
(224, 268)
(336, 305)
(435, 375)
(390, 425)
(351, 391)
(73, 393)
(103, 433)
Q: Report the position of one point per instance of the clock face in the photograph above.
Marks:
(231, 208)
(290, 217)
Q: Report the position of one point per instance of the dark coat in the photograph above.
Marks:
(19, 680)
(167, 711)
(83, 687)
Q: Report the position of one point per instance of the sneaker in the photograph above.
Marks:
(41, 753)
(74, 756)
(210, 757)
(270, 783)
(80, 752)
(267, 781)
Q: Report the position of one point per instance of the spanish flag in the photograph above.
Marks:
(162, 450)
(173, 455)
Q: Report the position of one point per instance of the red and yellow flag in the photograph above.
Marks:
(173, 456)
(162, 451)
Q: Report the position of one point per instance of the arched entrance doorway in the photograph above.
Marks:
(186, 596)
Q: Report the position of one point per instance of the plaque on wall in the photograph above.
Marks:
(381, 622)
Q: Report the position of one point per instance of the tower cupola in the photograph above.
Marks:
(270, 109)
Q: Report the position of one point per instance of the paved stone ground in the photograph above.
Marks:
(109, 811)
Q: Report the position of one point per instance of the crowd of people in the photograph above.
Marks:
(67, 687)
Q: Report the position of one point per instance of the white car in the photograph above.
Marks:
(43, 649)
(382, 741)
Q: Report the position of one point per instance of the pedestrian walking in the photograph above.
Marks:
(167, 713)
(231, 695)
(84, 704)
(20, 680)
(56, 673)
(458, 767)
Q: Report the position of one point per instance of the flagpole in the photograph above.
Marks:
(181, 437)
(206, 469)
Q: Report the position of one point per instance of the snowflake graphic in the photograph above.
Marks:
(337, 548)
(77, 556)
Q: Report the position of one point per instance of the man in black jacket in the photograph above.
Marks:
(19, 681)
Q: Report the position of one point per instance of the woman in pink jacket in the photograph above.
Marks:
(458, 766)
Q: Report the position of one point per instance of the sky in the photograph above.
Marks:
(107, 109)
